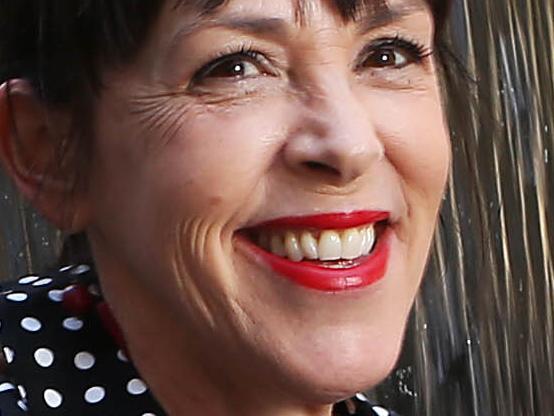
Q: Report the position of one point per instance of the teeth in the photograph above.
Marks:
(365, 241)
(369, 242)
(264, 241)
(309, 246)
(372, 238)
(292, 247)
(276, 245)
(351, 242)
(329, 246)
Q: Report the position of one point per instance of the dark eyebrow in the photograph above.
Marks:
(256, 25)
(383, 14)
(261, 26)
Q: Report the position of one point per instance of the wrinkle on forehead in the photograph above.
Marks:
(378, 11)
(349, 10)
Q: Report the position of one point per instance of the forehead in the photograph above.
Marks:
(300, 10)
(352, 10)
(181, 18)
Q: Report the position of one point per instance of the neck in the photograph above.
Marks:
(183, 381)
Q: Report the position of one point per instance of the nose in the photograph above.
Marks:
(334, 139)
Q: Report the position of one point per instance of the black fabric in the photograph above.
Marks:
(58, 364)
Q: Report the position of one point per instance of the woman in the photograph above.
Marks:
(258, 181)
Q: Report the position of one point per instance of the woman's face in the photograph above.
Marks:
(228, 137)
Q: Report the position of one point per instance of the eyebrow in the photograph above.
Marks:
(255, 25)
(259, 26)
(274, 27)
(383, 14)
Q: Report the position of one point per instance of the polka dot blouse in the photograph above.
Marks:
(64, 363)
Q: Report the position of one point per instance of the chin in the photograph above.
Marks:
(335, 369)
(321, 347)
(340, 384)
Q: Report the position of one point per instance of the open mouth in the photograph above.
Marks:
(330, 252)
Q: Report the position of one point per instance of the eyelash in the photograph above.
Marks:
(416, 54)
(242, 51)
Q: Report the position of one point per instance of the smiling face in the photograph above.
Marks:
(259, 126)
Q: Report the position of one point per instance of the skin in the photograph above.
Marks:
(180, 164)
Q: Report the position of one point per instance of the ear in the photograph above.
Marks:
(32, 139)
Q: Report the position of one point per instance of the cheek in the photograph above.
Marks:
(158, 197)
(416, 144)
(219, 161)
(418, 148)
(215, 163)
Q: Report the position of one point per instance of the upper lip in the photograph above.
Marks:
(334, 220)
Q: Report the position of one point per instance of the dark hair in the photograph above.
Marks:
(62, 46)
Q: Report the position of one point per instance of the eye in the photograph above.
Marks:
(232, 67)
(394, 53)
(386, 57)
(235, 66)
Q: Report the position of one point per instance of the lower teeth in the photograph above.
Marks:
(338, 264)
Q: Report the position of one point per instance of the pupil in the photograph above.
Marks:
(387, 57)
(238, 69)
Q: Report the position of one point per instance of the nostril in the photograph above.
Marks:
(321, 167)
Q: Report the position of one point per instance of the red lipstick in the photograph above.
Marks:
(331, 276)
(335, 221)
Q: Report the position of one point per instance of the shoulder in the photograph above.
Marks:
(28, 305)
(46, 289)
(60, 357)
(12, 401)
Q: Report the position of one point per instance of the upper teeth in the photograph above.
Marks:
(329, 245)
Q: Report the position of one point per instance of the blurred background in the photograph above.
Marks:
(481, 337)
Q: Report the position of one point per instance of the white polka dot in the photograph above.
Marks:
(380, 411)
(122, 357)
(362, 397)
(22, 392)
(43, 282)
(53, 398)
(83, 268)
(66, 268)
(28, 280)
(136, 386)
(55, 295)
(31, 324)
(94, 290)
(69, 288)
(44, 357)
(17, 297)
(95, 394)
(6, 386)
(73, 324)
(9, 354)
(22, 405)
(148, 414)
(84, 360)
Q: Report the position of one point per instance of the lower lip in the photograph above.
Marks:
(371, 269)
